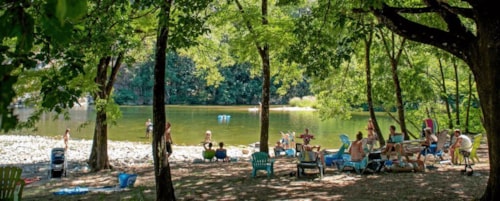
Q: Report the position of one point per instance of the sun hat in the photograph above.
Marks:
(457, 130)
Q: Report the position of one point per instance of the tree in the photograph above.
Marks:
(478, 47)
(178, 30)
(107, 40)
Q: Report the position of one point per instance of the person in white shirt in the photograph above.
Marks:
(462, 142)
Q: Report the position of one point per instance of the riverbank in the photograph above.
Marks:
(194, 180)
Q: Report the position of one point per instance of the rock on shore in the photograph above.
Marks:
(34, 152)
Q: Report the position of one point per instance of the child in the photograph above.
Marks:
(66, 138)
(208, 137)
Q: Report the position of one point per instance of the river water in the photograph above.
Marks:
(234, 125)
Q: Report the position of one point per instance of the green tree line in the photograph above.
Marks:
(187, 85)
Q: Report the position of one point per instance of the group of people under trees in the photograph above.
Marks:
(358, 149)
(362, 146)
(458, 140)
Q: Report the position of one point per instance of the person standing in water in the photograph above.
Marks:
(149, 128)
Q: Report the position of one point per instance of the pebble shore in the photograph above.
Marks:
(33, 153)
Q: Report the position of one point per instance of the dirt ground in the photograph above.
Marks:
(233, 181)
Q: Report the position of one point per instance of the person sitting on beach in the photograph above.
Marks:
(278, 148)
(390, 146)
(222, 152)
(462, 142)
(356, 149)
(307, 148)
(430, 139)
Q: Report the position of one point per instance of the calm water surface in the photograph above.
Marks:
(189, 124)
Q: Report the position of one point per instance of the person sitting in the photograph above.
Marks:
(356, 149)
(462, 142)
(430, 139)
(221, 153)
(307, 148)
(278, 148)
(208, 153)
(391, 143)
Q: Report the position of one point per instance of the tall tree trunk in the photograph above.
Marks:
(163, 178)
(394, 61)
(488, 85)
(99, 153)
(266, 85)
(457, 95)
(98, 159)
(369, 97)
(445, 95)
(469, 101)
(263, 50)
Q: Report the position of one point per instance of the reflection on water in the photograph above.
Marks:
(234, 125)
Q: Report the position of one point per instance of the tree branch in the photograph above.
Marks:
(446, 40)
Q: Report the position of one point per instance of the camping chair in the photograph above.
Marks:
(309, 160)
(298, 149)
(208, 155)
(11, 184)
(473, 154)
(262, 161)
(436, 150)
(358, 166)
(338, 157)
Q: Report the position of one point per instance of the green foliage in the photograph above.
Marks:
(306, 101)
(27, 33)
(185, 84)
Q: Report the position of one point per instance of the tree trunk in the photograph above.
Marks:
(394, 61)
(99, 153)
(98, 159)
(457, 95)
(469, 101)
(266, 84)
(163, 178)
(369, 98)
(445, 96)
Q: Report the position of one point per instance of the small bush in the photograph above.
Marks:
(306, 101)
